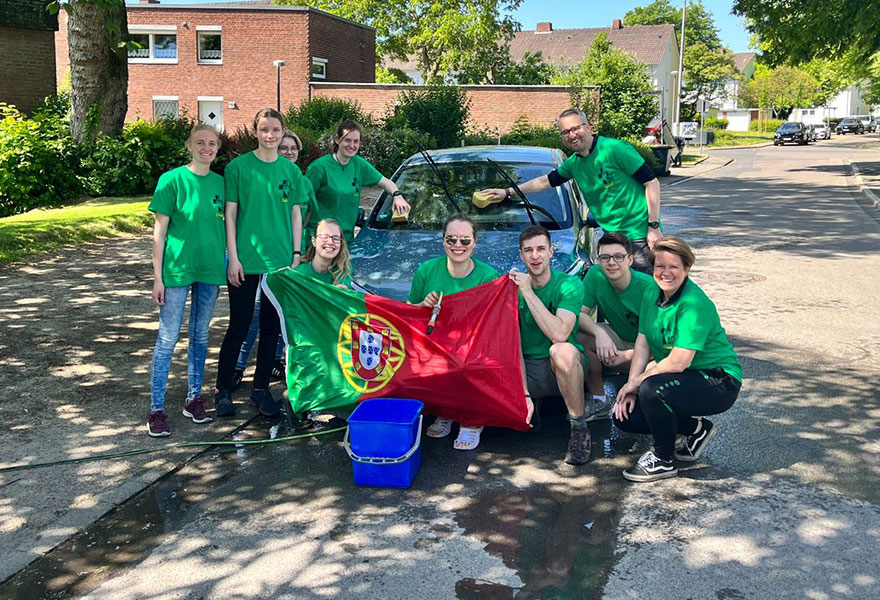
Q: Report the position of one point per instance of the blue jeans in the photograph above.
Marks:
(251, 339)
(204, 296)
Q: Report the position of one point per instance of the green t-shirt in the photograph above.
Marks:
(327, 277)
(195, 247)
(433, 276)
(604, 176)
(690, 321)
(562, 291)
(621, 309)
(266, 194)
(338, 189)
(311, 207)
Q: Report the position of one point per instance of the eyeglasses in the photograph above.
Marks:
(336, 239)
(567, 132)
(607, 258)
(287, 149)
(452, 240)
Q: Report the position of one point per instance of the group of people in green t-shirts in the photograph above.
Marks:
(681, 365)
(234, 229)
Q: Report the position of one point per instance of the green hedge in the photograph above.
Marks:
(715, 123)
(770, 125)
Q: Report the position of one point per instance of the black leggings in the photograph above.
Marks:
(668, 403)
(241, 311)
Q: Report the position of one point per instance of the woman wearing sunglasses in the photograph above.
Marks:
(455, 272)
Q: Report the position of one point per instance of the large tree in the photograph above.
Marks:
(494, 66)
(707, 73)
(795, 32)
(97, 33)
(441, 34)
(625, 103)
(781, 90)
(699, 24)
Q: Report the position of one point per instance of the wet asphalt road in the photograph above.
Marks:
(784, 506)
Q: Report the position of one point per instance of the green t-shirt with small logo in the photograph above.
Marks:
(621, 309)
(307, 269)
(266, 194)
(195, 246)
(338, 189)
(311, 207)
(433, 276)
(604, 177)
(691, 321)
(562, 291)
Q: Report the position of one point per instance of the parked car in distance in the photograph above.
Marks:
(868, 122)
(850, 125)
(811, 132)
(822, 131)
(791, 132)
(386, 253)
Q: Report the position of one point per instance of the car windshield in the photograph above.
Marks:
(848, 122)
(788, 127)
(430, 206)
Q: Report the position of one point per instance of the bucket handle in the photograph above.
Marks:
(383, 460)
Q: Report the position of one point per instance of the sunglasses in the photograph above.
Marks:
(452, 240)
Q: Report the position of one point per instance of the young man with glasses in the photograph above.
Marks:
(549, 305)
(617, 289)
(620, 188)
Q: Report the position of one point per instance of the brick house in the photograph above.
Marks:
(27, 53)
(220, 61)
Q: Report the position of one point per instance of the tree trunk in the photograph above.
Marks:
(98, 67)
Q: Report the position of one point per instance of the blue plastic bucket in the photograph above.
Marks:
(384, 441)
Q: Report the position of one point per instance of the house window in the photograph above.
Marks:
(165, 107)
(319, 68)
(210, 45)
(156, 44)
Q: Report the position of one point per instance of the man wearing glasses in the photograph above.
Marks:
(618, 185)
(617, 290)
(549, 304)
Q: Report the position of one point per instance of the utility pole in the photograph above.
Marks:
(278, 64)
(680, 72)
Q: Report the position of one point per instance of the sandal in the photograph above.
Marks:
(468, 438)
(439, 428)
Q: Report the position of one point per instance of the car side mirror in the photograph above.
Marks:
(361, 218)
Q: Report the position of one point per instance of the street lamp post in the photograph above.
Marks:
(680, 72)
(278, 64)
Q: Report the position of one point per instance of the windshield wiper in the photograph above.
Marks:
(436, 171)
(528, 205)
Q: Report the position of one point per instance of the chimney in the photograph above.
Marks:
(148, 1)
(616, 24)
(545, 27)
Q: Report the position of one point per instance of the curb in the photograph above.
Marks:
(872, 198)
(761, 145)
(688, 178)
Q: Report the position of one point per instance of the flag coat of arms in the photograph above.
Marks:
(346, 346)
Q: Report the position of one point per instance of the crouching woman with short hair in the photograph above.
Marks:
(696, 372)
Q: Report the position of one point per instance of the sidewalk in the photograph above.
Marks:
(868, 179)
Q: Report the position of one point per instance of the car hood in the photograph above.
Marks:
(384, 261)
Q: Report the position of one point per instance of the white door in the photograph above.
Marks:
(211, 113)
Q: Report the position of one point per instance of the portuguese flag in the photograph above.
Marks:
(346, 346)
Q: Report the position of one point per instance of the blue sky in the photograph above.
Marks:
(567, 14)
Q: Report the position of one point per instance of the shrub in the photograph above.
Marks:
(770, 125)
(438, 110)
(482, 136)
(646, 152)
(38, 162)
(132, 163)
(241, 141)
(524, 133)
(715, 123)
(325, 114)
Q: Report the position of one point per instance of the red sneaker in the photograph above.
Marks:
(157, 424)
(195, 410)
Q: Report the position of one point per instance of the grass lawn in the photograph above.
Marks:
(692, 159)
(43, 230)
(740, 138)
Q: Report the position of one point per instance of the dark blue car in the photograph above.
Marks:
(385, 254)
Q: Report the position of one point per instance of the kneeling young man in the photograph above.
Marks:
(549, 305)
(617, 289)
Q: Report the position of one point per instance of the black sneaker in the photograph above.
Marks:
(235, 381)
(650, 468)
(597, 410)
(695, 444)
(223, 403)
(278, 371)
(578, 452)
(265, 403)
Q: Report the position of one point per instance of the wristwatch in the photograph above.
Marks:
(654, 224)
(396, 193)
